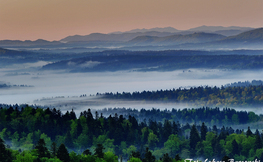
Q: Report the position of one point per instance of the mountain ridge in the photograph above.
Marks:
(161, 32)
(178, 39)
(251, 35)
(150, 40)
(217, 28)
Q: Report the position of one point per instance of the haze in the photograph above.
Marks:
(63, 90)
(56, 19)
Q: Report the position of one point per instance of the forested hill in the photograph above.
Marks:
(24, 129)
(160, 61)
(245, 84)
(210, 96)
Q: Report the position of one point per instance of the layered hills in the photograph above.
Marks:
(177, 39)
(158, 32)
(204, 37)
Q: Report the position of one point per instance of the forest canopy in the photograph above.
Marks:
(32, 129)
(208, 96)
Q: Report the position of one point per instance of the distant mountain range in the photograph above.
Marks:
(197, 29)
(252, 36)
(40, 42)
(158, 32)
(123, 37)
(219, 28)
(166, 29)
(177, 39)
(204, 37)
(248, 36)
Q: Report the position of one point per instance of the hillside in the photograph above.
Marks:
(27, 42)
(112, 37)
(158, 32)
(160, 61)
(217, 28)
(204, 37)
(178, 39)
(255, 35)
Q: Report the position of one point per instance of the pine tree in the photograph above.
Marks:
(166, 158)
(2, 149)
(99, 151)
(42, 149)
(86, 152)
(69, 140)
(249, 133)
(235, 147)
(135, 154)
(194, 137)
(167, 130)
(148, 156)
(177, 157)
(5, 155)
(258, 142)
(203, 131)
(63, 154)
(53, 149)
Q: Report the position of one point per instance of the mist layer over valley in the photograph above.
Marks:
(72, 81)
(77, 90)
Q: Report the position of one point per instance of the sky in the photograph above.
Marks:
(57, 19)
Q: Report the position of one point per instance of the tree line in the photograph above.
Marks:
(22, 130)
(207, 96)
(211, 116)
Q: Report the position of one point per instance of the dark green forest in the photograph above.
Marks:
(36, 133)
(208, 96)
(117, 60)
(161, 61)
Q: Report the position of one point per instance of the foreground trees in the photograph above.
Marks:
(123, 136)
(5, 154)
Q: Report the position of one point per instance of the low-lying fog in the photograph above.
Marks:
(63, 90)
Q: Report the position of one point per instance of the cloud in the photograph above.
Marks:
(70, 63)
(36, 64)
(86, 64)
(90, 64)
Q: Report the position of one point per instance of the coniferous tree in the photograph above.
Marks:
(53, 149)
(136, 154)
(86, 152)
(69, 140)
(72, 115)
(235, 147)
(166, 158)
(194, 138)
(2, 149)
(5, 155)
(258, 142)
(215, 129)
(203, 131)
(148, 157)
(42, 149)
(167, 130)
(145, 135)
(175, 128)
(249, 133)
(63, 154)
(177, 157)
(257, 132)
(99, 151)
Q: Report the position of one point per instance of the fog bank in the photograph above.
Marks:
(65, 88)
